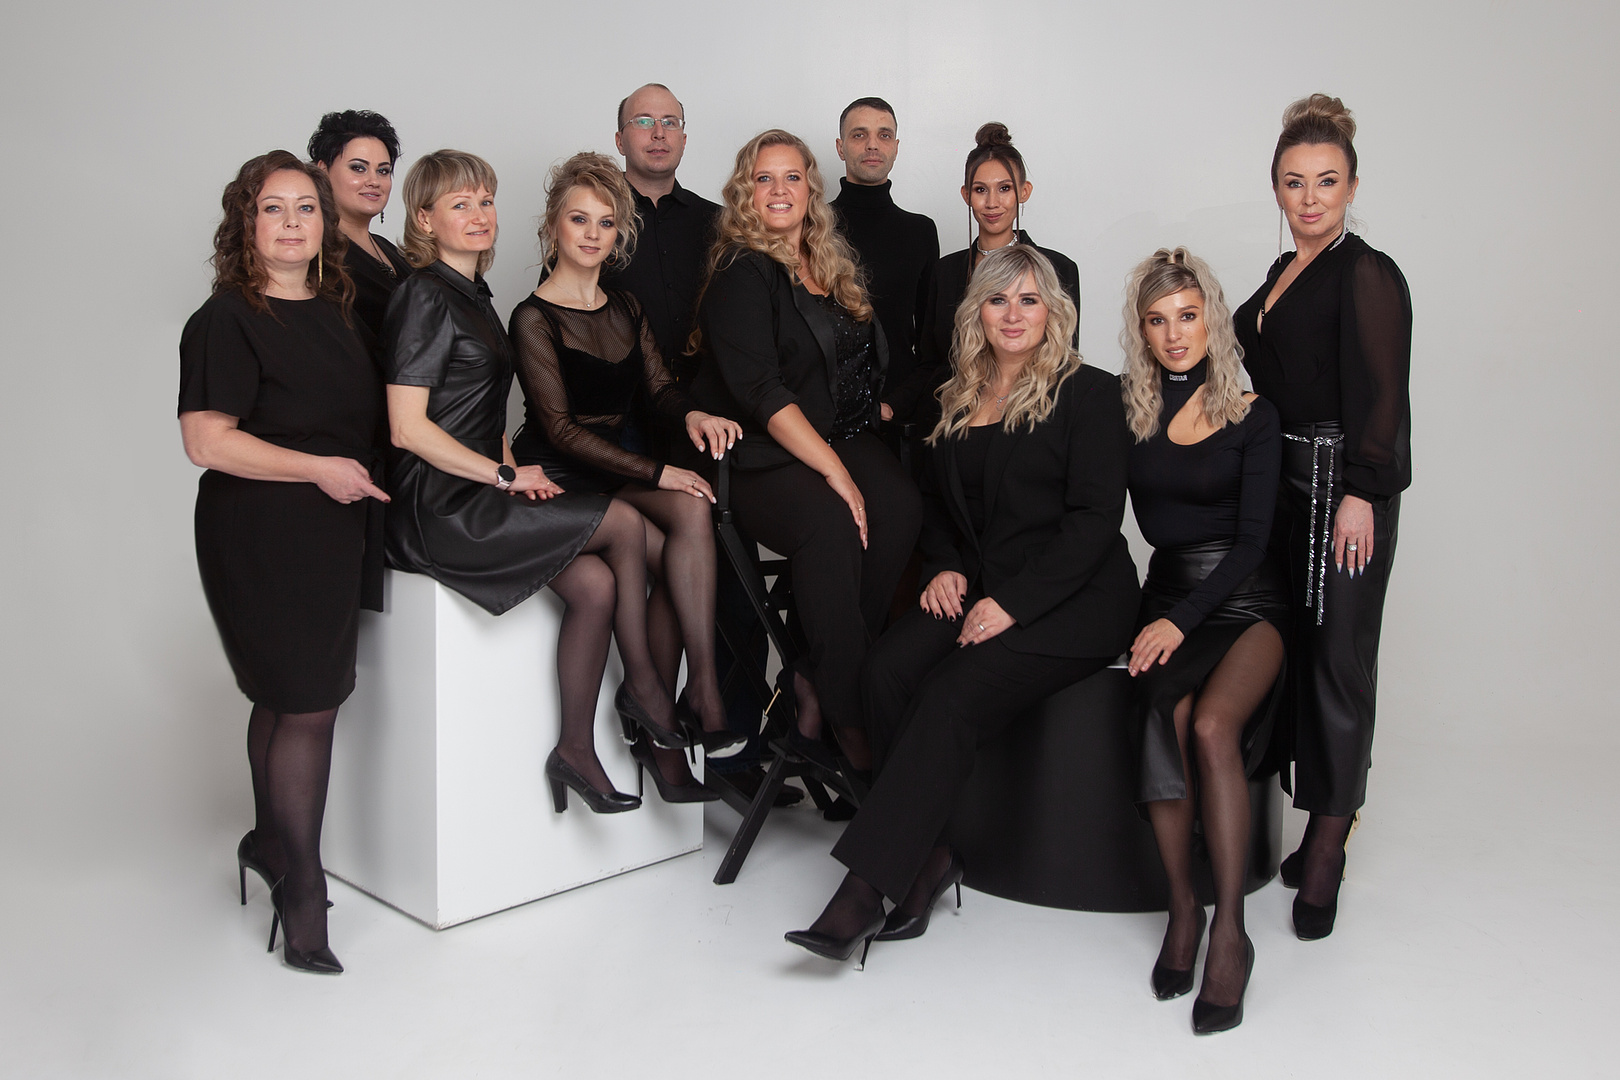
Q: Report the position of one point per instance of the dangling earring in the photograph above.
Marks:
(320, 268)
(1282, 227)
(382, 216)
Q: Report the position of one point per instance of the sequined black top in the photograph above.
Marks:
(857, 370)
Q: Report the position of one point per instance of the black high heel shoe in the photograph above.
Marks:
(1169, 982)
(319, 961)
(631, 713)
(1207, 1019)
(696, 791)
(839, 949)
(1312, 922)
(247, 858)
(564, 776)
(1292, 868)
(716, 744)
(816, 751)
(901, 927)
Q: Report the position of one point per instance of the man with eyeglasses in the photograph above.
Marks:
(898, 249)
(676, 226)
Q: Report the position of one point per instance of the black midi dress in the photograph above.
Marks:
(1206, 508)
(494, 548)
(374, 282)
(286, 568)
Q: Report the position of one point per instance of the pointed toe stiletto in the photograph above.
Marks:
(321, 961)
(1169, 982)
(563, 776)
(839, 949)
(247, 858)
(631, 713)
(1207, 1019)
(696, 791)
(902, 927)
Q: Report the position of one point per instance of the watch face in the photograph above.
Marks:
(506, 473)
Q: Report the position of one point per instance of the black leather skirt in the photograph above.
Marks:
(1326, 722)
(1172, 574)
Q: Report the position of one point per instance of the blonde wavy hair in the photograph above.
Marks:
(1164, 273)
(602, 176)
(823, 249)
(432, 176)
(973, 361)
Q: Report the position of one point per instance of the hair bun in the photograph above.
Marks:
(1321, 107)
(994, 133)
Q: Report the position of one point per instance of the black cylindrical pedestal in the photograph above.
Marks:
(1049, 815)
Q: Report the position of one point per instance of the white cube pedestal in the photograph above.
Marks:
(439, 804)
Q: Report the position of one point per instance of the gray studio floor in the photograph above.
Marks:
(1477, 938)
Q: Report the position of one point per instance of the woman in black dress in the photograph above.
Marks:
(357, 149)
(1203, 481)
(1328, 340)
(466, 515)
(1030, 587)
(995, 186)
(585, 355)
(792, 349)
(279, 401)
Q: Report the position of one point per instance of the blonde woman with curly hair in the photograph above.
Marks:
(791, 349)
(1030, 587)
(1203, 479)
(585, 355)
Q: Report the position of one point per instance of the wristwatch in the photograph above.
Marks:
(505, 476)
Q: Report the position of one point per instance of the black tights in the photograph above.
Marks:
(1323, 852)
(290, 756)
(1212, 720)
(604, 591)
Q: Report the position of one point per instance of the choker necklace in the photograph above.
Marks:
(983, 253)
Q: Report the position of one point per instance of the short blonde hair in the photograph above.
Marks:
(973, 360)
(430, 178)
(605, 179)
(1164, 273)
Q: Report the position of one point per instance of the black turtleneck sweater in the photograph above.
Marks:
(1220, 488)
(898, 250)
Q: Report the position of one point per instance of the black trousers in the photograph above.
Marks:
(931, 706)
(1332, 689)
(840, 592)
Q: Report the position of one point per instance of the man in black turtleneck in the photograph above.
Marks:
(898, 248)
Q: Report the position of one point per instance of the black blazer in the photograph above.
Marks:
(1051, 553)
(767, 345)
(946, 288)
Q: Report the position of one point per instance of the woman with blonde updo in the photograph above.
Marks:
(1030, 587)
(790, 347)
(585, 356)
(1328, 339)
(1203, 478)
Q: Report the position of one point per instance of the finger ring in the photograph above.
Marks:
(1350, 547)
(981, 626)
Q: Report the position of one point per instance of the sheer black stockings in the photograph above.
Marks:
(1323, 852)
(1212, 722)
(290, 756)
(851, 910)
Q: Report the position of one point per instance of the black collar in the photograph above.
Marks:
(865, 196)
(476, 288)
(645, 206)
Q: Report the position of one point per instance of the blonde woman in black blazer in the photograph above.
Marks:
(791, 349)
(1030, 586)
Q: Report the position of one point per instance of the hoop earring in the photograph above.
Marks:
(320, 268)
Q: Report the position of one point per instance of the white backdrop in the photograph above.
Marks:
(1487, 155)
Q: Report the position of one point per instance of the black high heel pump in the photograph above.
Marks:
(901, 927)
(1169, 982)
(696, 791)
(1207, 1019)
(716, 744)
(319, 961)
(247, 858)
(632, 715)
(563, 776)
(839, 949)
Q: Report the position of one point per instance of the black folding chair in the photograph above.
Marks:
(769, 586)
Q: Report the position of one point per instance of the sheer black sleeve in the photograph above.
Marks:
(1257, 499)
(662, 394)
(538, 370)
(1375, 358)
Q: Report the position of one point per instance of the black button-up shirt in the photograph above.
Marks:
(667, 268)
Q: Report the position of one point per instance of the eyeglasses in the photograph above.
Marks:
(647, 123)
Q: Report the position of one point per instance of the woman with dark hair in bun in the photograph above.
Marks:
(995, 186)
(279, 401)
(1328, 340)
(357, 149)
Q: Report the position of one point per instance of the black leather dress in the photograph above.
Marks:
(495, 549)
(1333, 354)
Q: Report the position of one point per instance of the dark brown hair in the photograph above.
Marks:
(993, 142)
(236, 261)
(1317, 120)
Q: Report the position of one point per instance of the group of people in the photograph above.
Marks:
(350, 412)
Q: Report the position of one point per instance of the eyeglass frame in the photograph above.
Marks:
(670, 124)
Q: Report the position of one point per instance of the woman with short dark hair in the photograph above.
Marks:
(358, 151)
